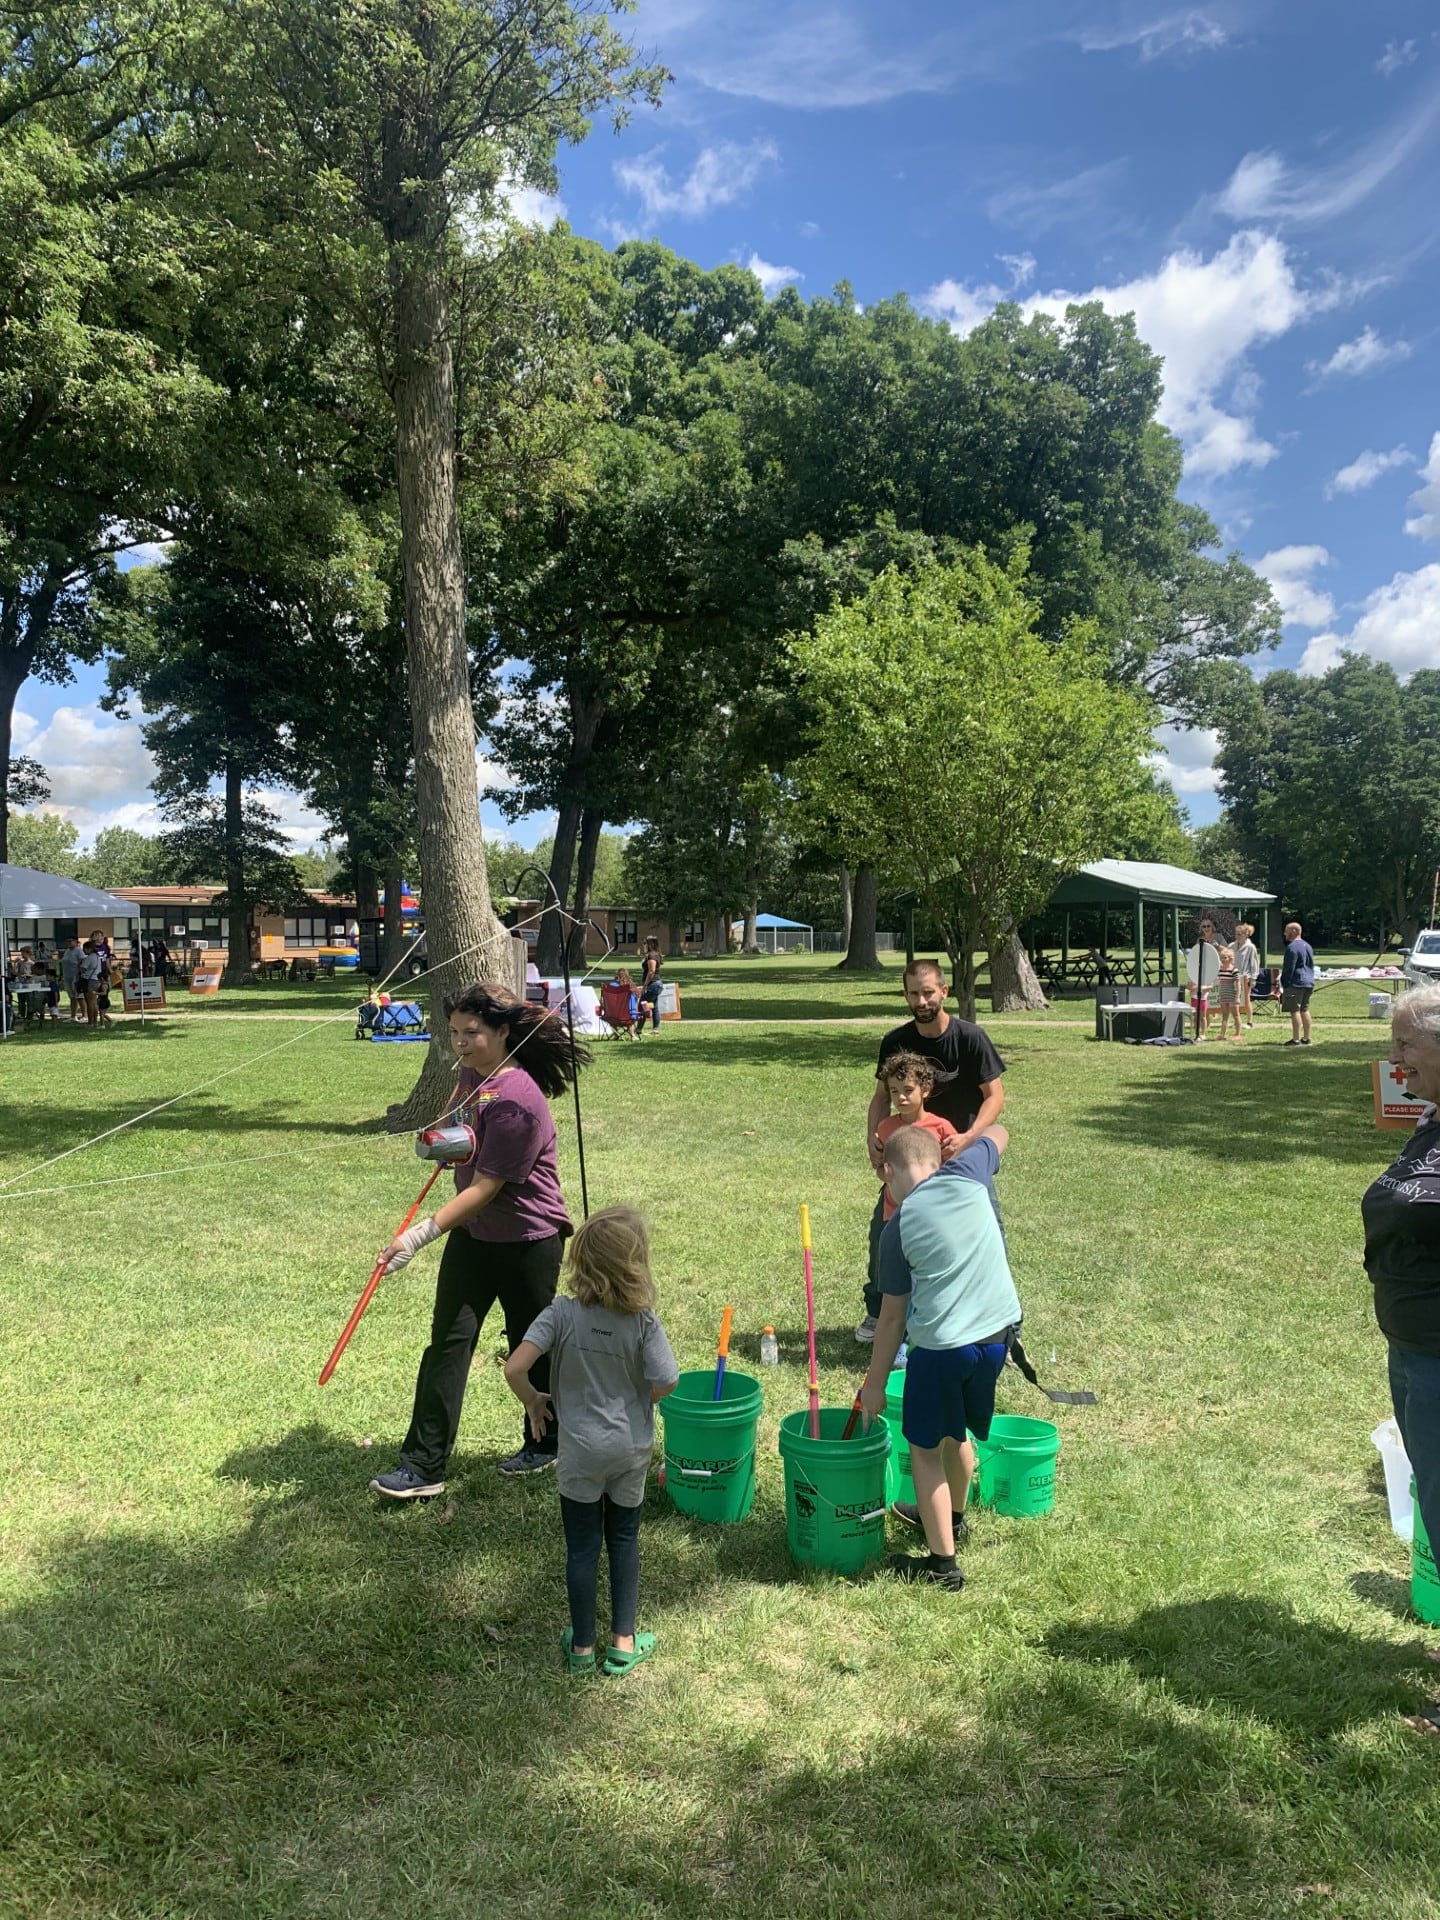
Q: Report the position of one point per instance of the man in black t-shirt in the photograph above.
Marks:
(967, 1089)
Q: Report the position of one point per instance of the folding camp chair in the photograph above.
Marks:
(615, 1009)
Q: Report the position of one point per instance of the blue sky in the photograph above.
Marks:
(1254, 180)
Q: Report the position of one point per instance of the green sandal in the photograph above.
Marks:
(576, 1662)
(618, 1664)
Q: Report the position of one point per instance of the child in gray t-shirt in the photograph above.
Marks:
(609, 1363)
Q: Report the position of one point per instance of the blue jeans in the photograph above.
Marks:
(586, 1523)
(1415, 1393)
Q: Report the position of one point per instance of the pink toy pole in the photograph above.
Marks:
(810, 1322)
(371, 1284)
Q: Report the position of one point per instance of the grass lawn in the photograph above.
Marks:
(235, 1689)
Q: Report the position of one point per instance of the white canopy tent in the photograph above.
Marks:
(27, 894)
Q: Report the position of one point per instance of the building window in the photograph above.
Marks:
(625, 930)
(208, 927)
(694, 934)
(308, 930)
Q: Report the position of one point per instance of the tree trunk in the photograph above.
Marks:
(392, 940)
(674, 944)
(237, 925)
(1013, 986)
(591, 823)
(861, 954)
(15, 661)
(962, 981)
(367, 890)
(847, 905)
(585, 718)
(748, 942)
(464, 940)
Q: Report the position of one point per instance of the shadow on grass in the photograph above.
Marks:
(1251, 1657)
(46, 1129)
(344, 1711)
(335, 1710)
(1247, 1103)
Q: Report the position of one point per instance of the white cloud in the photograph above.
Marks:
(1288, 570)
(534, 208)
(1187, 32)
(772, 278)
(1079, 196)
(1365, 469)
(1203, 316)
(96, 766)
(822, 56)
(1425, 523)
(1399, 622)
(720, 176)
(1185, 756)
(1397, 54)
(809, 230)
(1364, 354)
(1265, 187)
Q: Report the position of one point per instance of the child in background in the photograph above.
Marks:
(1227, 992)
(609, 1363)
(625, 981)
(908, 1079)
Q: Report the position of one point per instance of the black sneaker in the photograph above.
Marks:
(406, 1484)
(907, 1566)
(908, 1514)
(527, 1460)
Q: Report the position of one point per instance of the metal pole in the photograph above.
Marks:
(1139, 943)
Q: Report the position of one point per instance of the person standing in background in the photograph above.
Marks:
(1297, 983)
(1247, 967)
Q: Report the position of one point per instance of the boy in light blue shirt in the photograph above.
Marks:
(946, 1287)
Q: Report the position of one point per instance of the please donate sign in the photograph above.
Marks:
(1393, 1106)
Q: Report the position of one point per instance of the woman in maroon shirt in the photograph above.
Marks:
(506, 1226)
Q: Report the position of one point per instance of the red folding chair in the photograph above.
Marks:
(615, 1010)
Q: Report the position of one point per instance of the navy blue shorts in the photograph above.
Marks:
(948, 1391)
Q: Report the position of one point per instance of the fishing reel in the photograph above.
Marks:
(452, 1146)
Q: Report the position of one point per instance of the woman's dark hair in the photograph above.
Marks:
(537, 1039)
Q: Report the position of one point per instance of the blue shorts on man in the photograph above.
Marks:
(946, 1288)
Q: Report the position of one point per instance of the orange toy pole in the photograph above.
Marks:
(372, 1283)
(723, 1351)
(851, 1422)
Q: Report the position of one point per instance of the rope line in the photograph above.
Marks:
(253, 1060)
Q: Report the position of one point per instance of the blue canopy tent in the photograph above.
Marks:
(775, 934)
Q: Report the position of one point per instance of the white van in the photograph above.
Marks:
(1421, 963)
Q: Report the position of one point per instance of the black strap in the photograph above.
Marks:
(1014, 1351)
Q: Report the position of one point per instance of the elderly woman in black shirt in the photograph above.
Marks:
(1402, 1256)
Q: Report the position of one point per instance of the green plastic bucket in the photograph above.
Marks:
(898, 1482)
(1424, 1582)
(834, 1491)
(710, 1445)
(1017, 1465)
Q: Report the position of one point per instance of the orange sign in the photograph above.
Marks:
(1393, 1106)
(206, 980)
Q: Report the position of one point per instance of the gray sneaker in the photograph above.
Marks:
(527, 1460)
(406, 1484)
(865, 1332)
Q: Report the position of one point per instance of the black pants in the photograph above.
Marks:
(586, 1523)
(474, 1274)
(873, 1295)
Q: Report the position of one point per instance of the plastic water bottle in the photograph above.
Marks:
(769, 1349)
(904, 1354)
